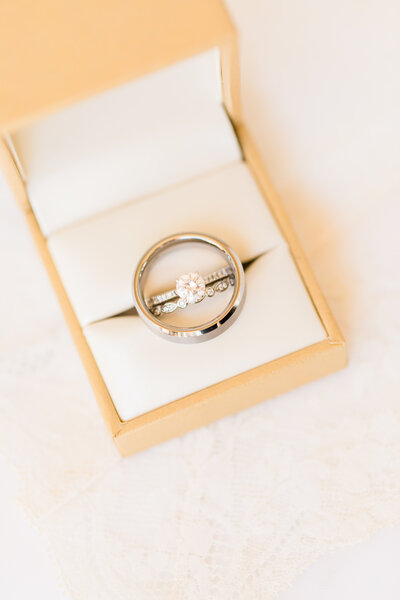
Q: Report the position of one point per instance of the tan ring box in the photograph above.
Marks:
(115, 43)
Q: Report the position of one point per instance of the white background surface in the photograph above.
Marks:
(321, 92)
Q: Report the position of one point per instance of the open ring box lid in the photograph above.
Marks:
(120, 124)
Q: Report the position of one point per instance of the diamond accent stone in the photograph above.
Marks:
(221, 286)
(181, 303)
(191, 287)
(169, 307)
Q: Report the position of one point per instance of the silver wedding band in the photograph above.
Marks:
(231, 276)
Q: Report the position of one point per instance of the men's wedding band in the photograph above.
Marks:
(191, 288)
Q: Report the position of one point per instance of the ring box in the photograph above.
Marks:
(121, 124)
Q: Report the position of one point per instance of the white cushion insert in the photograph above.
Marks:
(96, 258)
(128, 142)
(143, 371)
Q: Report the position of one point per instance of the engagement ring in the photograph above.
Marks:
(191, 288)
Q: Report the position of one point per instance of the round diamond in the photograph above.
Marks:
(181, 303)
(191, 287)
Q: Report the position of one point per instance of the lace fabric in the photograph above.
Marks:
(234, 510)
